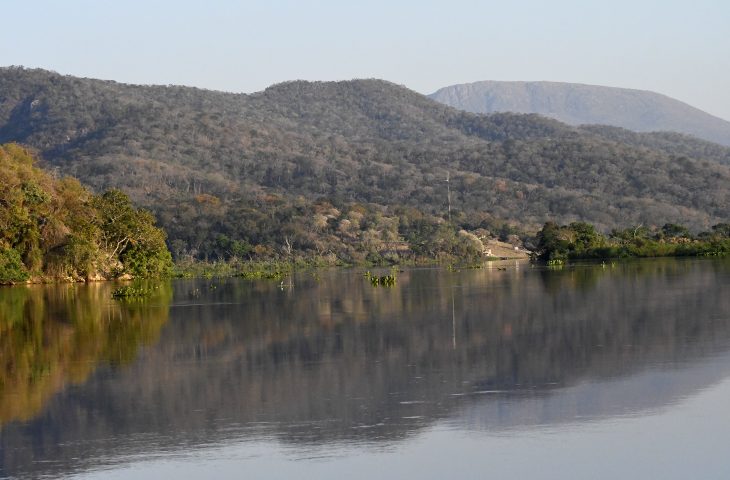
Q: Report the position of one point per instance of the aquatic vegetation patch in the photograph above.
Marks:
(382, 281)
(135, 290)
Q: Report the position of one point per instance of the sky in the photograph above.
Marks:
(678, 48)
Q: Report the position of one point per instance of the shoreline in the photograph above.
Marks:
(278, 269)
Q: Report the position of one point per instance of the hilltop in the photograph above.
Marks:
(578, 104)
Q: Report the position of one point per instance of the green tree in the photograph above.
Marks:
(130, 235)
(672, 230)
(552, 242)
(11, 266)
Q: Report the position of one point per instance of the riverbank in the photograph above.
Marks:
(277, 269)
(580, 241)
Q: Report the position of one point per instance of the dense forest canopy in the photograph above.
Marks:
(55, 228)
(262, 169)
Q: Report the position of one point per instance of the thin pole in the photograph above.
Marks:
(448, 193)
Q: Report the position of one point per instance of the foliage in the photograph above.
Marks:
(134, 290)
(236, 177)
(382, 281)
(556, 243)
(55, 228)
(131, 235)
(11, 266)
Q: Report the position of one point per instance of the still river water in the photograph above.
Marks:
(616, 371)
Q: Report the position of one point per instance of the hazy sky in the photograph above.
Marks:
(681, 49)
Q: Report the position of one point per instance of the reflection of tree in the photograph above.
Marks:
(54, 336)
(334, 359)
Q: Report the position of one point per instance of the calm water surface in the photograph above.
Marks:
(617, 371)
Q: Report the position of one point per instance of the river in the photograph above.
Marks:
(620, 370)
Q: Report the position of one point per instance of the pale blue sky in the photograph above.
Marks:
(681, 49)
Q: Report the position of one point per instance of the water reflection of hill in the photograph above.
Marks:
(646, 392)
(334, 359)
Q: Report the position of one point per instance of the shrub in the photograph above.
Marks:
(11, 266)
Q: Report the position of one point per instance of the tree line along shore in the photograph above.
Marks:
(55, 229)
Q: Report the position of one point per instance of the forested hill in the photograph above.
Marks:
(211, 163)
(578, 104)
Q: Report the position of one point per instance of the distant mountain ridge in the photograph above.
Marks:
(581, 104)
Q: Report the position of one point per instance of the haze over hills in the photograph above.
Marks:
(579, 104)
(255, 167)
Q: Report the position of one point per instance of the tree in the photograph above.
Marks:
(586, 237)
(672, 230)
(552, 243)
(11, 266)
(722, 229)
(130, 235)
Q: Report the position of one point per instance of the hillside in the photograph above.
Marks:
(578, 104)
(364, 161)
